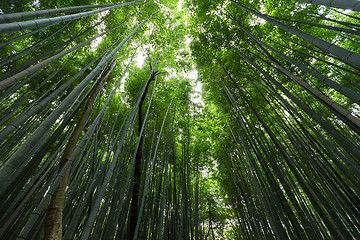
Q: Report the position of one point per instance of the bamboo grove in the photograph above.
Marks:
(95, 145)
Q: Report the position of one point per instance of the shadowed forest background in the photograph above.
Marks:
(163, 119)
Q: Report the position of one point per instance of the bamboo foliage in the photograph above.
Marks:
(33, 141)
(272, 153)
(102, 161)
(261, 135)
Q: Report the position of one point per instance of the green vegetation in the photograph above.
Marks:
(222, 119)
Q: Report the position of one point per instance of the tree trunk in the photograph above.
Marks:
(344, 4)
(13, 17)
(53, 221)
(17, 77)
(21, 26)
(347, 56)
(137, 171)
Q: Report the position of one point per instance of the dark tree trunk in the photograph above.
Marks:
(137, 170)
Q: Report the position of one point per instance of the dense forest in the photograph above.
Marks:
(190, 119)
